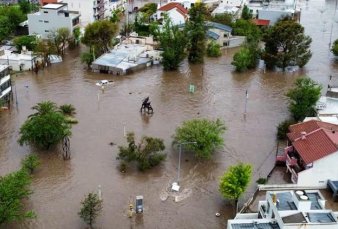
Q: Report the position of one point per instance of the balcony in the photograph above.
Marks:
(291, 160)
(294, 176)
(281, 155)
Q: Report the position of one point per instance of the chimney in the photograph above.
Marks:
(303, 134)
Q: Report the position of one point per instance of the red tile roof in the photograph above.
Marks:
(261, 22)
(310, 126)
(314, 146)
(173, 5)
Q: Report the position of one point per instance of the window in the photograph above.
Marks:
(47, 31)
(45, 12)
(46, 21)
(40, 21)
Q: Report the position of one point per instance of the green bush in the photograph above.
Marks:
(262, 180)
(30, 162)
(214, 49)
(206, 133)
(146, 154)
(68, 109)
(283, 128)
(334, 48)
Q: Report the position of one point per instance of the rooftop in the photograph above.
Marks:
(314, 146)
(255, 225)
(261, 22)
(3, 67)
(218, 26)
(173, 5)
(53, 6)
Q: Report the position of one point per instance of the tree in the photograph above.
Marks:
(283, 128)
(196, 33)
(146, 11)
(246, 14)
(146, 153)
(286, 45)
(10, 17)
(25, 6)
(173, 43)
(247, 57)
(248, 29)
(206, 133)
(67, 109)
(77, 35)
(30, 162)
(46, 127)
(303, 98)
(87, 58)
(44, 48)
(91, 208)
(14, 188)
(214, 49)
(98, 36)
(28, 41)
(224, 18)
(60, 37)
(234, 181)
(334, 48)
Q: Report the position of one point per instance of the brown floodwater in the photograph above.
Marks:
(59, 186)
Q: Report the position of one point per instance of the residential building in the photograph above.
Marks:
(45, 2)
(273, 10)
(312, 153)
(288, 210)
(90, 10)
(16, 1)
(52, 17)
(221, 34)
(174, 10)
(111, 6)
(5, 83)
(228, 6)
(17, 61)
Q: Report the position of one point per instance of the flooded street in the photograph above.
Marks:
(59, 186)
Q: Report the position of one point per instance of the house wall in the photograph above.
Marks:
(175, 17)
(224, 36)
(322, 170)
(86, 9)
(272, 15)
(48, 20)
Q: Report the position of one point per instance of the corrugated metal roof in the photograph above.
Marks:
(218, 26)
(212, 35)
(255, 226)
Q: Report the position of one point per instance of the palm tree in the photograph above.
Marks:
(44, 108)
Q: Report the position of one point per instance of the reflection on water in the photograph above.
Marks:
(59, 186)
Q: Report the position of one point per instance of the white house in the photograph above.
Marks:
(5, 83)
(273, 10)
(228, 6)
(18, 61)
(221, 34)
(90, 10)
(175, 11)
(312, 153)
(52, 17)
(288, 210)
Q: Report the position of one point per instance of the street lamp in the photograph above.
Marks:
(175, 185)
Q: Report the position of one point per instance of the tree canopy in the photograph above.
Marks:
(247, 57)
(246, 14)
(213, 49)
(246, 28)
(147, 153)
(286, 45)
(334, 48)
(235, 180)
(47, 127)
(196, 32)
(14, 188)
(10, 17)
(303, 98)
(99, 36)
(91, 208)
(28, 41)
(206, 133)
(173, 44)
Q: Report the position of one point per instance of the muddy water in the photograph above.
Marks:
(59, 185)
